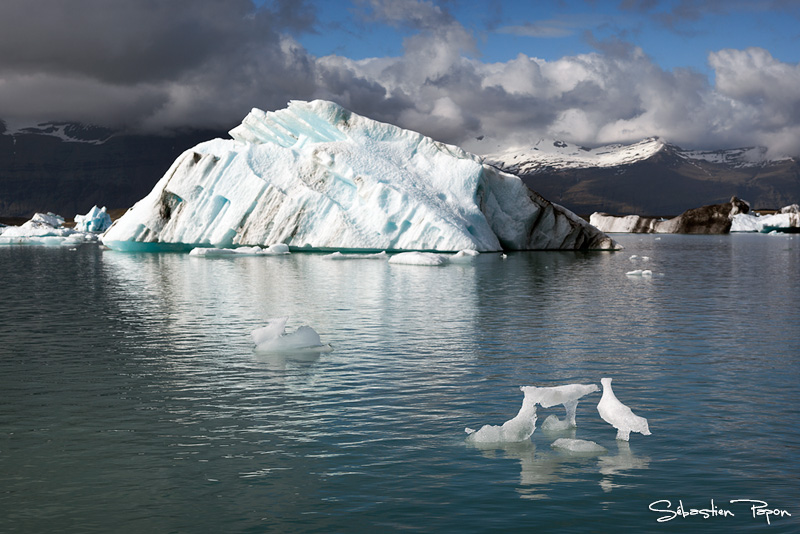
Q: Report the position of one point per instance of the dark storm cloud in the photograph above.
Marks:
(162, 58)
(159, 65)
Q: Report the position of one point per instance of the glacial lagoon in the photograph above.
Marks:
(133, 401)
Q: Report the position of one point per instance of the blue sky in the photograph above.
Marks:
(673, 35)
(486, 75)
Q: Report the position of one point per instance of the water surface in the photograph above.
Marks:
(132, 400)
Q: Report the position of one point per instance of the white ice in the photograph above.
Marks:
(578, 446)
(520, 428)
(418, 258)
(613, 412)
(273, 338)
(567, 395)
(317, 176)
(339, 256)
(273, 250)
(787, 218)
(96, 220)
(45, 229)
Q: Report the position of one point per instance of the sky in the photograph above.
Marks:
(486, 75)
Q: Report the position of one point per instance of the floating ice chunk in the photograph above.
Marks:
(553, 424)
(273, 338)
(44, 229)
(211, 252)
(339, 256)
(520, 428)
(618, 415)
(96, 220)
(418, 258)
(567, 395)
(273, 250)
(578, 445)
(277, 249)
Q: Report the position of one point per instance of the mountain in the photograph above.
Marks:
(651, 177)
(67, 168)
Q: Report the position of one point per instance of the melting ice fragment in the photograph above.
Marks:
(96, 220)
(618, 415)
(273, 338)
(520, 428)
(339, 256)
(278, 249)
(566, 395)
(578, 446)
(418, 258)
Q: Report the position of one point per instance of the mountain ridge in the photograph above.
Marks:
(651, 177)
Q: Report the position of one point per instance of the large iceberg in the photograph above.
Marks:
(317, 176)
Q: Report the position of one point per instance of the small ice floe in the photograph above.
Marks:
(339, 256)
(273, 250)
(566, 395)
(580, 446)
(96, 220)
(418, 258)
(273, 338)
(618, 415)
(464, 256)
(520, 428)
(44, 229)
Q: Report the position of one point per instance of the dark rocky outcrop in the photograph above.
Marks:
(711, 219)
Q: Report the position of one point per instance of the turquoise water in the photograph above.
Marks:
(132, 401)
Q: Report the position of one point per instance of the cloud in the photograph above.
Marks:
(155, 66)
(203, 56)
(417, 14)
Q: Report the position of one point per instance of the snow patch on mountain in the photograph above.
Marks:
(69, 132)
(559, 155)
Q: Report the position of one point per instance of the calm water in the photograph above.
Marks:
(131, 399)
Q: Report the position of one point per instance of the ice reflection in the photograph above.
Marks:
(541, 469)
(612, 467)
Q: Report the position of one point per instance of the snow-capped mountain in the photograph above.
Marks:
(651, 177)
(68, 132)
(67, 168)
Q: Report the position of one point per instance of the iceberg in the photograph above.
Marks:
(567, 395)
(339, 256)
(786, 220)
(578, 446)
(418, 258)
(96, 220)
(711, 219)
(44, 229)
(272, 250)
(520, 428)
(273, 338)
(316, 176)
(613, 412)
